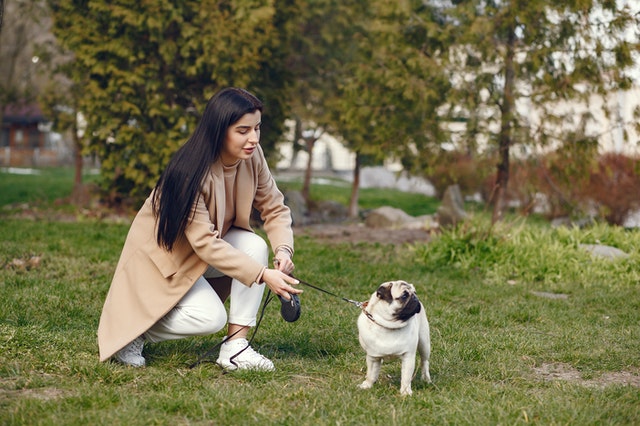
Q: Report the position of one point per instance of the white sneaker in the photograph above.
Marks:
(132, 353)
(236, 354)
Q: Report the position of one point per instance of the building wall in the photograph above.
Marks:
(25, 145)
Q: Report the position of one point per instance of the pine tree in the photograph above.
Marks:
(509, 58)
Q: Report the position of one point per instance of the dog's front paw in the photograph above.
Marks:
(406, 391)
(426, 376)
(365, 385)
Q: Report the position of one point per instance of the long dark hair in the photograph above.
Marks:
(179, 185)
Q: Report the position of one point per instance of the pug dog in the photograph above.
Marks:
(393, 324)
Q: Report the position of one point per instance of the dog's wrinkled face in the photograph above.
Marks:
(401, 298)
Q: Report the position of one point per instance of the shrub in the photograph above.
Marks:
(553, 182)
(606, 187)
(461, 169)
(517, 252)
(614, 187)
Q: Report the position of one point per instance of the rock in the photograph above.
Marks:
(382, 177)
(606, 252)
(422, 222)
(548, 295)
(298, 206)
(451, 211)
(632, 220)
(567, 222)
(387, 217)
(392, 218)
(331, 211)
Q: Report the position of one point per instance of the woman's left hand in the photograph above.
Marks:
(280, 284)
(283, 262)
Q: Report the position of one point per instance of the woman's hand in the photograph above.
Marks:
(282, 261)
(280, 283)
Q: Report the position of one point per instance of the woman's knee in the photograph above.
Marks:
(250, 243)
(186, 321)
(210, 322)
(259, 249)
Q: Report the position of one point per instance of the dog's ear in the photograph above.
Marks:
(407, 284)
(384, 292)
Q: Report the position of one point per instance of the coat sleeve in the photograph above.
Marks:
(204, 237)
(269, 201)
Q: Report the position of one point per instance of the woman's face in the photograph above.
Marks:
(242, 138)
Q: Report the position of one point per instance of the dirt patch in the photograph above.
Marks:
(360, 233)
(565, 372)
(9, 391)
(43, 394)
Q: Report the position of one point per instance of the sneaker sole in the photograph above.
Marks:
(131, 364)
(233, 367)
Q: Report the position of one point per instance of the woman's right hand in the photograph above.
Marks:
(280, 283)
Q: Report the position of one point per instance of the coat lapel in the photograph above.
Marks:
(218, 195)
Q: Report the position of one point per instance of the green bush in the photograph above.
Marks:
(522, 253)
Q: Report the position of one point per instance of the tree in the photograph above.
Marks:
(151, 66)
(513, 63)
(313, 56)
(62, 107)
(19, 50)
(391, 83)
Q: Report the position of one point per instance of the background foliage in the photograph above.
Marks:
(420, 82)
(148, 68)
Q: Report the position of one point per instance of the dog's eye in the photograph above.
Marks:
(404, 296)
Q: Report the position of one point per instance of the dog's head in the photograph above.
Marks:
(396, 300)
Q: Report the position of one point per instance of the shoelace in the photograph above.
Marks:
(135, 347)
(249, 350)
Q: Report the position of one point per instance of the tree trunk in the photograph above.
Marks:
(77, 161)
(80, 195)
(306, 185)
(355, 188)
(295, 147)
(505, 137)
(1, 14)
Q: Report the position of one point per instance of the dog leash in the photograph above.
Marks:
(354, 302)
(360, 305)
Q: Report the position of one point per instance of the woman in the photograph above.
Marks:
(190, 245)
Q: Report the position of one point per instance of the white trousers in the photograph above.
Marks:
(201, 312)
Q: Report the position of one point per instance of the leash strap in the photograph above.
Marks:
(360, 305)
(354, 302)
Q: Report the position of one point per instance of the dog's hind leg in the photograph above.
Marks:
(425, 370)
(424, 349)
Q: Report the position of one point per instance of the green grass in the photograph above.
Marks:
(490, 333)
(369, 198)
(43, 186)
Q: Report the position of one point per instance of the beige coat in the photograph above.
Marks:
(149, 281)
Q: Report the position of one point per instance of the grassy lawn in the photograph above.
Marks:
(37, 185)
(526, 329)
(369, 198)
